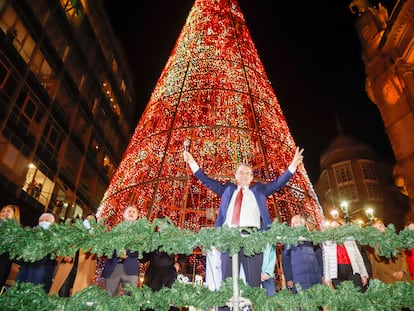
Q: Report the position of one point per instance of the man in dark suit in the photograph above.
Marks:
(123, 267)
(243, 205)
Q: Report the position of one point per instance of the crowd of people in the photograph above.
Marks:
(243, 206)
(67, 275)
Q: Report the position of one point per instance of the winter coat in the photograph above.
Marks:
(302, 264)
(330, 260)
(383, 268)
(86, 269)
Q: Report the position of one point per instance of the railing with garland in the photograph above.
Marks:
(64, 239)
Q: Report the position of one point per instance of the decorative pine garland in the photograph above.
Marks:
(31, 244)
(379, 296)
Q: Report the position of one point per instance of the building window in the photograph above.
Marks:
(348, 193)
(17, 33)
(72, 8)
(374, 192)
(43, 72)
(13, 159)
(343, 172)
(4, 73)
(368, 170)
(329, 198)
(38, 185)
(324, 184)
(8, 84)
(51, 141)
(27, 113)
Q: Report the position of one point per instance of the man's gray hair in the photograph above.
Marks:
(48, 215)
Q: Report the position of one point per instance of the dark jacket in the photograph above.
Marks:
(130, 264)
(161, 271)
(303, 265)
(37, 272)
(5, 267)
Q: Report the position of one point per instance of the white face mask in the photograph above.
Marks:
(86, 224)
(44, 224)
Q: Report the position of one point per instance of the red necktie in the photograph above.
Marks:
(237, 208)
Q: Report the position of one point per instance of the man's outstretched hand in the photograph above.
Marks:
(297, 158)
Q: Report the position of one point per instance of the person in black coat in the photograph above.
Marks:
(163, 268)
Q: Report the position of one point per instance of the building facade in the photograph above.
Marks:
(67, 106)
(388, 53)
(352, 173)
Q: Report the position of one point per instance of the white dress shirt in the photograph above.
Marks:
(249, 213)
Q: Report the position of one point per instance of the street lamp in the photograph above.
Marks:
(369, 212)
(344, 207)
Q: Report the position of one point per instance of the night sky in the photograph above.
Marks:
(310, 50)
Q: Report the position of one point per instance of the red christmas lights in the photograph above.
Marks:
(213, 91)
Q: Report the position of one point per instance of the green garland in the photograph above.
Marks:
(30, 244)
(379, 296)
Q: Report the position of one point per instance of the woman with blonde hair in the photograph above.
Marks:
(7, 212)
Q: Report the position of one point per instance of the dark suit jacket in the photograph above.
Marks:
(130, 264)
(261, 192)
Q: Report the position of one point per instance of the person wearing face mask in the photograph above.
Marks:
(7, 212)
(40, 271)
(75, 273)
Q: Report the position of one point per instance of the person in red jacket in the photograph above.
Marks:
(409, 253)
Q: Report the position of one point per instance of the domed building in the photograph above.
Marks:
(353, 180)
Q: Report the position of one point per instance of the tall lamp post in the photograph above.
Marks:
(344, 207)
(369, 212)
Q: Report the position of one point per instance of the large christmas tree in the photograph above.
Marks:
(213, 92)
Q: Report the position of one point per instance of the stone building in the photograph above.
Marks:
(387, 41)
(66, 106)
(351, 173)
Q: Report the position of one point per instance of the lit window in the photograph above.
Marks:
(72, 8)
